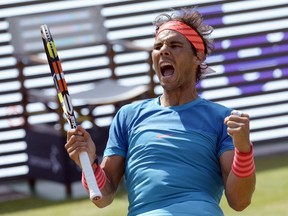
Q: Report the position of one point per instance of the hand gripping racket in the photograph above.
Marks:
(64, 98)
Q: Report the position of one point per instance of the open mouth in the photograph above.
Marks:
(166, 69)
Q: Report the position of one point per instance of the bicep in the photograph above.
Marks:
(226, 160)
(114, 167)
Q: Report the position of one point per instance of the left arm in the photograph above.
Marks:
(238, 190)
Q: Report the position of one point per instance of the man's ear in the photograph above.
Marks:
(200, 57)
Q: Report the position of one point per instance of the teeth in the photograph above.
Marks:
(165, 64)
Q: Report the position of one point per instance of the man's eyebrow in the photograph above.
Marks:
(169, 42)
(176, 42)
(158, 44)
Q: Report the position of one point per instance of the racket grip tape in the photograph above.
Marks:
(94, 191)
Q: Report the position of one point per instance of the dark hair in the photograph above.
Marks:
(192, 18)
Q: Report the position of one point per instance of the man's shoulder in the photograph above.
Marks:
(138, 105)
(215, 106)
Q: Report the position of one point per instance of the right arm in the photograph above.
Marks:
(79, 140)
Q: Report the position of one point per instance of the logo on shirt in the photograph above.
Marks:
(161, 136)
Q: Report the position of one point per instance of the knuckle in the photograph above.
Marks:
(74, 138)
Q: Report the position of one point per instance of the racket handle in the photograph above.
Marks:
(94, 191)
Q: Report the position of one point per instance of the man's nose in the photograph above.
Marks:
(164, 50)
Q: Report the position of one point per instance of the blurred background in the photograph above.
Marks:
(105, 49)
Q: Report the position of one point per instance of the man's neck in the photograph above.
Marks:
(177, 98)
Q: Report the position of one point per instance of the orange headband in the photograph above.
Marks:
(186, 31)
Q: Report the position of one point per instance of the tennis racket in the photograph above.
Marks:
(65, 100)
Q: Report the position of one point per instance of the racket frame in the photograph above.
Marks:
(66, 104)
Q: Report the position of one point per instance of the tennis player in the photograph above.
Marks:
(178, 152)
